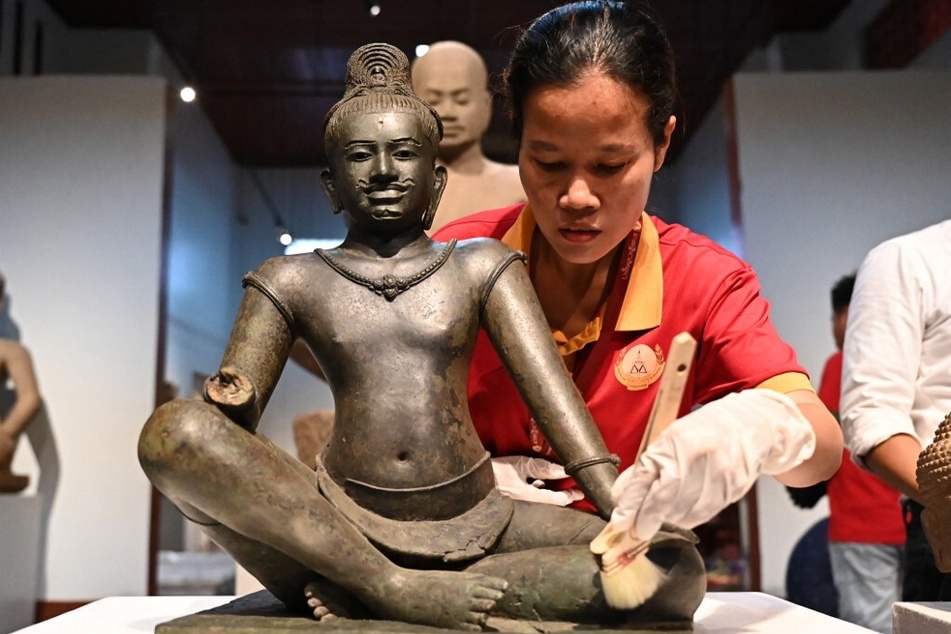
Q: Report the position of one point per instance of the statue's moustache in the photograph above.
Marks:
(400, 186)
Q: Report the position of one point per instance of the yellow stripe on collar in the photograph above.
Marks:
(519, 235)
(644, 299)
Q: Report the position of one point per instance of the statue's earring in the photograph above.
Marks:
(430, 215)
(439, 186)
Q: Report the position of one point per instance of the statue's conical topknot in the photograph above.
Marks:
(378, 66)
(378, 80)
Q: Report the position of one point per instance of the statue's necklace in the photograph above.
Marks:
(389, 286)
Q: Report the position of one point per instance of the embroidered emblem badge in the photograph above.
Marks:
(638, 366)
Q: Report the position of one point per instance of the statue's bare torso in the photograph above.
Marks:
(397, 368)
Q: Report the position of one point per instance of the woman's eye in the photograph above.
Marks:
(359, 156)
(610, 168)
(550, 166)
(405, 154)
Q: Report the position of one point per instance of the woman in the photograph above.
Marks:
(591, 89)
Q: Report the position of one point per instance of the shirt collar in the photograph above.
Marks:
(644, 297)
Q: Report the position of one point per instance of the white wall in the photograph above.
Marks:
(702, 181)
(80, 216)
(203, 288)
(830, 165)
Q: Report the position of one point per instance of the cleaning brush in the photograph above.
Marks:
(628, 577)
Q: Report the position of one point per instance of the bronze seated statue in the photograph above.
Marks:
(400, 520)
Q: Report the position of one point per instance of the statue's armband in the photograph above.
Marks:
(257, 282)
(494, 275)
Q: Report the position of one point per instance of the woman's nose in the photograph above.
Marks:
(579, 196)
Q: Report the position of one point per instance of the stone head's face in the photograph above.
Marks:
(453, 81)
(382, 170)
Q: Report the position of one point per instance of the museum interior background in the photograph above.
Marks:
(127, 221)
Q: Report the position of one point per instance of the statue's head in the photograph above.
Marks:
(453, 78)
(381, 142)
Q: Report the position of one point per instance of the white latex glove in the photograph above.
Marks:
(522, 478)
(709, 459)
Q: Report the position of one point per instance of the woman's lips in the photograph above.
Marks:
(579, 235)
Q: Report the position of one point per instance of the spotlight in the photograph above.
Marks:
(421, 49)
(188, 94)
(374, 8)
(284, 236)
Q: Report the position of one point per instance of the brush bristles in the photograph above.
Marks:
(633, 584)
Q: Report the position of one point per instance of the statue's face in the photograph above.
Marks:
(455, 85)
(382, 170)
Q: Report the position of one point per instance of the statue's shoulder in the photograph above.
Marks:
(285, 273)
(480, 256)
(15, 360)
(506, 177)
(476, 248)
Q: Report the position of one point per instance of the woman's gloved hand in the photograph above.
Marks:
(523, 478)
(709, 459)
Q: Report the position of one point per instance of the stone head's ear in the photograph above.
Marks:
(440, 175)
(485, 111)
(327, 182)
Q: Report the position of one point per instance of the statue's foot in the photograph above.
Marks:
(322, 608)
(454, 600)
(328, 601)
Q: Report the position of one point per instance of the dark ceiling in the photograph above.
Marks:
(266, 72)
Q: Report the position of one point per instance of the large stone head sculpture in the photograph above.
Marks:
(453, 78)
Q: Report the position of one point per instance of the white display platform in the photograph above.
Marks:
(720, 613)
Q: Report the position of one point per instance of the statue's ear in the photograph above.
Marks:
(327, 182)
(440, 175)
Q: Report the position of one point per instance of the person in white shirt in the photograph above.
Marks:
(896, 377)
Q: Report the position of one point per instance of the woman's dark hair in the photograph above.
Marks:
(616, 39)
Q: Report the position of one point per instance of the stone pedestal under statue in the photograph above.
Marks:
(261, 613)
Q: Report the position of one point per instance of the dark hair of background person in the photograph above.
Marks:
(842, 292)
(614, 38)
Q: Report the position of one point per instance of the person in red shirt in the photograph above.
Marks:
(866, 531)
(591, 88)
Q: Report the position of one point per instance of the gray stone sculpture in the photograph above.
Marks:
(16, 367)
(401, 519)
(454, 80)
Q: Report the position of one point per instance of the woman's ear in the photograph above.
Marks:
(440, 175)
(660, 152)
(327, 182)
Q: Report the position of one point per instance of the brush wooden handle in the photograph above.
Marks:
(628, 577)
(671, 390)
(666, 407)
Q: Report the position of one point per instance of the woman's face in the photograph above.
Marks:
(586, 160)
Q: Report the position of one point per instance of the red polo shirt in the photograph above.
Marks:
(681, 281)
(862, 508)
